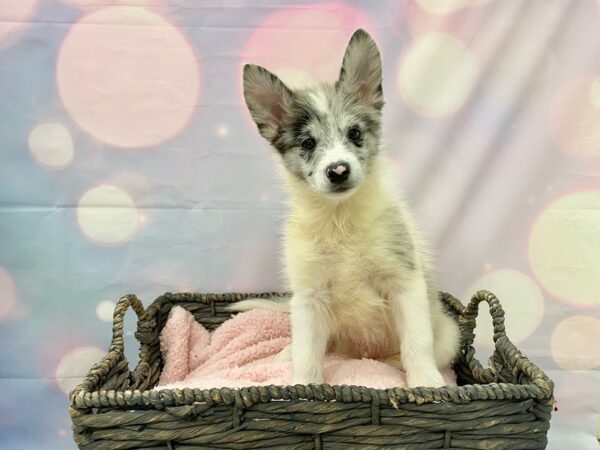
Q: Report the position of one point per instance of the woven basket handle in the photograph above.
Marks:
(472, 310)
(121, 308)
(106, 374)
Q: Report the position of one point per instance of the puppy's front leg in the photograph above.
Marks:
(413, 321)
(310, 334)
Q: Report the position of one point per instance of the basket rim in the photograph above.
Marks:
(81, 398)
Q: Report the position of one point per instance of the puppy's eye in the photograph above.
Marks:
(354, 133)
(309, 143)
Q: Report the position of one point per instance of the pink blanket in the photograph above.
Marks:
(242, 351)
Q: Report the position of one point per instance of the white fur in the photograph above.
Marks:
(261, 303)
(310, 336)
(351, 295)
(320, 102)
(361, 278)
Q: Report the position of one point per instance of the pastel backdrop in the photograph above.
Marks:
(128, 163)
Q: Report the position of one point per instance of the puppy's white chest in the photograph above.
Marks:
(338, 263)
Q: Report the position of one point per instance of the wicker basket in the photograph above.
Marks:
(505, 406)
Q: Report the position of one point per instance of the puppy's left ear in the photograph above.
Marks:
(268, 99)
(361, 69)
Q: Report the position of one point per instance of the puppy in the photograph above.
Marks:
(361, 276)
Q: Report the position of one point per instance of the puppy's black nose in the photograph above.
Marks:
(338, 172)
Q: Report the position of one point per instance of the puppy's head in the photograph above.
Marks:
(326, 135)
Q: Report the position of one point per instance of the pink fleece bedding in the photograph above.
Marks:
(242, 351)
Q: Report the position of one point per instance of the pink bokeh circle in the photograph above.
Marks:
(128, 77)
(305, 43)
(15, 15)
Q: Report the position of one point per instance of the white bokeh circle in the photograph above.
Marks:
(294, 78)
(436, 74)
(521, 299)
(564, 248)
(105, 310)
(442, 6)
(574, 343)
(107, 215)
(75, 365)
(51, 145)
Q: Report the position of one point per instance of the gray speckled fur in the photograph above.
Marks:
(350, 102)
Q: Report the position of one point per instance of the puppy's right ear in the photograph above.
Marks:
(268, 99)
(361, 69)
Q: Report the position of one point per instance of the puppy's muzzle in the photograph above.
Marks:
(338, 172)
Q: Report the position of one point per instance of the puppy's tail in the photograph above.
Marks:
(275, 304)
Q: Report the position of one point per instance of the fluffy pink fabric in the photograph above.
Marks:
(242, 351)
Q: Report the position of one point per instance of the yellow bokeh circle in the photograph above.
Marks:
(564, 248)
(575, 117)
(574, 343)
(107, 215)
(521, 299)
(105, 310)
(51, 145)
(594, 93)
(75, 365)
(294, 78)
(437, 74)
(443, 6)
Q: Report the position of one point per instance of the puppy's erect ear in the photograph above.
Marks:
(268, 99)
(361, 69)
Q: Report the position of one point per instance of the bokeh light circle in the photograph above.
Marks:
(305, 43)
(207, 220)
(14, 15)
(521, 299)
(294, 78)
(564, 248)
(107, 215)
(222, 130)
(96, 4)
(75, 365)
(437, 74)
(443, 7)
(105, 310)
(595, 93)
(409, 17)
(51, 145)
(574, 343)
(575, 118)
(128, 77)
(8, 294)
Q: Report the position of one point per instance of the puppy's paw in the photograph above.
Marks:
(432, 378)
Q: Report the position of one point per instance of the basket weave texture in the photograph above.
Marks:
(504, 406)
